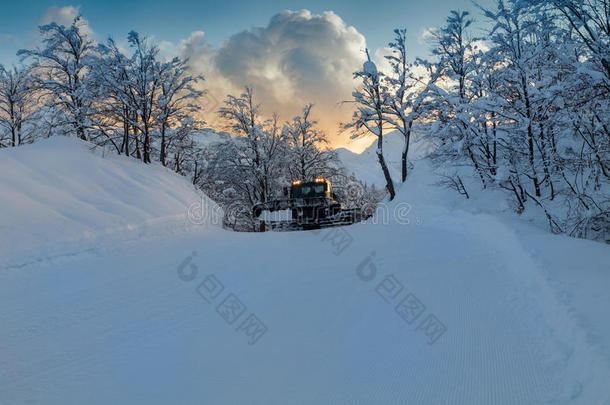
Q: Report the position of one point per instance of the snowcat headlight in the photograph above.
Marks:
(296, 182)
(320, 179)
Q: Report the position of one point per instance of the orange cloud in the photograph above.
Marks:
(298, 58)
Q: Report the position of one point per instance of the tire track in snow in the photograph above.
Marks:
(556, 339)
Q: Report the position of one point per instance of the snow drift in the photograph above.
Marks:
(59, 193)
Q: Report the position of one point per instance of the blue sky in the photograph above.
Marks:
(174, 20)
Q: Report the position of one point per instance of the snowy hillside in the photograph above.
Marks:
(432, 301)
(366, 167)
(57, 193)
(208, 137)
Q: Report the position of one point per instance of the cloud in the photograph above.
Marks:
(65, 16)
(202, 61)
(199, 53)
(382, 63)
(480, 45)
(165, 46)
(427, 35)
(299, 57)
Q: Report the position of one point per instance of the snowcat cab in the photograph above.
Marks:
(319, 188)
(314, 200)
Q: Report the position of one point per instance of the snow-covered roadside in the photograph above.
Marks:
(59, 197)
(561, 285)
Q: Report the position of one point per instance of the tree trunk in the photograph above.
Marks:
(476, 165)
(404, 165)
(146, 145)
(162, 152)
(384, 167)
(137, 137)
(545, 161)
(195, 176)
(80, 132)
(303, 174)
(495, 143)
(125, 146)
(405, 152)
(530, 137)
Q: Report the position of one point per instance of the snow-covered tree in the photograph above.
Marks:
(16, 103)
(146, 74)
(61, 69)
(150, 103)
(175, 104)
(182, 149)
(308, 155)
(371, 101)
(529, 114)
(249, 166)
(408, 87)
(589, 24)
(112, 75)
(455, 127)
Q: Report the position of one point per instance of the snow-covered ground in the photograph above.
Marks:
(432, 301)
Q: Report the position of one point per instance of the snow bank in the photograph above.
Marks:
(59, 195)
(568, 339)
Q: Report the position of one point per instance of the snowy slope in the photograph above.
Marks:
(135, 322)
(209, 137)
(58, 192)
(366, 167)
